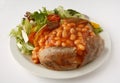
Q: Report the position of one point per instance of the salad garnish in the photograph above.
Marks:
(27, 32)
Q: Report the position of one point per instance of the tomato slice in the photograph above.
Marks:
(53, 17)
(31, 37)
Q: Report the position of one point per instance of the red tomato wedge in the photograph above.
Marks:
(53, 17)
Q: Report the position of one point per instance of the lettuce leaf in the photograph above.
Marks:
(25, 47)
(98, 30)
(68, 13)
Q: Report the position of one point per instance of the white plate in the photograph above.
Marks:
(43, 72)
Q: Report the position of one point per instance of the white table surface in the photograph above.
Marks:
(106, 12)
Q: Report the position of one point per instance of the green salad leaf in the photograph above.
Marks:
(40, 18)
(27, 26)
(68, 13)
(98, 30)
(72, 12)
(25, 47)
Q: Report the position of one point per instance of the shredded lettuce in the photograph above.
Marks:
(98, 30)
(61, 12)
(25, 47)
(96, 27)
(24, 35)
(17, 33)
(72, 12)
(40, 18)
(68, 13)
(22, 31)
(26, 25)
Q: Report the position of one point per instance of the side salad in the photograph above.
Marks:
(32, 23)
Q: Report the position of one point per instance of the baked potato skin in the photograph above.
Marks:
(94, 49)
(59, 58)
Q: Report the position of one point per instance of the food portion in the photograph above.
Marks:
(59, 39)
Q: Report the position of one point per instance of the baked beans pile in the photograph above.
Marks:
(68, 34)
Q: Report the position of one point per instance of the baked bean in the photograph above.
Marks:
(69, 43)
(63, 25)
(59, 33)
(59, 29)
(52, 41)
(81, 26)
(78, 29)
(80, 38)
(64, 44)
(79, 34)
(72, 30)
(58, 43)
(76, 42)
(36, 61)
(64, 34)
(46, 43)
(47, 46)
(40, 49)
(92, 34)
(52, 36)
(81, 47)
(71, 24)
(72, 37)
(87, 27)
(54, 32)
(46, 36)
(57, 38)
(41, 44)
(66, 28)
(84, 29)
(42, 40)
(35, 58)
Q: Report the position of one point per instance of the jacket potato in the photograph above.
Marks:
(71, 45)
